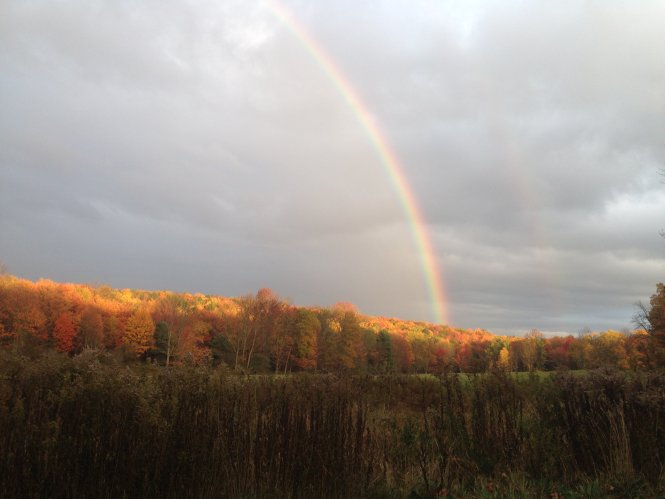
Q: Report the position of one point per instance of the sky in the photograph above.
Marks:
(206, 146)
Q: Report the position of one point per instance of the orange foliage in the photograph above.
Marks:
(139, 331)
(64, 332)
(263, 333)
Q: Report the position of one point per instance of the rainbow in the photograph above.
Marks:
(387, 156)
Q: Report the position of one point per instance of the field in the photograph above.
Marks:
(89, 427)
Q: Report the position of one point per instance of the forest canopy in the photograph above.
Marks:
(263, 333)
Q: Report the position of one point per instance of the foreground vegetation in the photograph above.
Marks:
(90, 426)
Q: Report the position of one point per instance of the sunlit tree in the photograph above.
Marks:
(533, 350)
(172, 310)
(503, 360)
(256, 326)
(139, 331)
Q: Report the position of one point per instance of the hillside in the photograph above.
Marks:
(263, 333)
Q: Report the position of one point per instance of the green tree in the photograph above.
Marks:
(494, 348)
(161, 337)
(385, 360)
(221, 349)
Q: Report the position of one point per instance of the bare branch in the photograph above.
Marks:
(641, 317)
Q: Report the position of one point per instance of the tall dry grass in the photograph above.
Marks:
(90, 427)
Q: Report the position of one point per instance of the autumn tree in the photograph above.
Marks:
(516, 352)
(268, 307)
(403, 354)
(349, 341)
(503, 359)
(656, 314)
(652, 319)
(608, 350)
(139, 331)
(558, 353)
(533, 350)
(30, 323)
(52, 302)
(328, 341)
(580, 352)
(423, 352)
(20, 313)
(283, 342)
(256, 325)
(384, 359)
(307, 328)
(494, 348)
(342, 341)
(173, 311)
(112, 331)
(91, 329)
(64, 332)
(472, 356)
(6, 337)
(638, 351)
(24, 325)
(193, 344)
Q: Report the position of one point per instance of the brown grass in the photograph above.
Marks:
(88, 427)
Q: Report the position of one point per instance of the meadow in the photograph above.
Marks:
(89, 426)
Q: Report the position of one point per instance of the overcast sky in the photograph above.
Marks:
(198, 146)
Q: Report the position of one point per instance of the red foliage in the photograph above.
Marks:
(64, 332)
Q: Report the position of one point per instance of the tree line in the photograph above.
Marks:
(263, 333)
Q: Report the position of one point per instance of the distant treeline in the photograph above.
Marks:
(263, 333)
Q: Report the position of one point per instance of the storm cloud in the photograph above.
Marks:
(200, 147)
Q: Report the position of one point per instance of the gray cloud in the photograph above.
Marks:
(203, 148)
